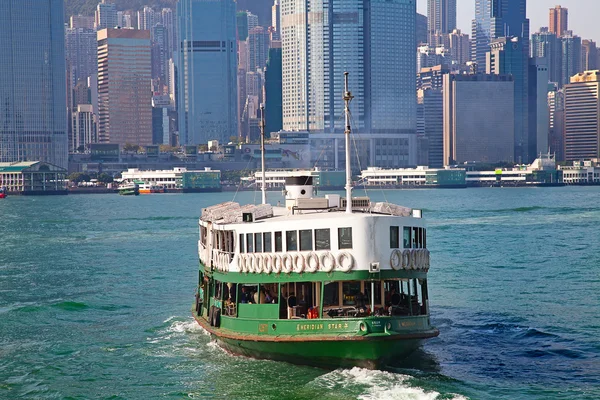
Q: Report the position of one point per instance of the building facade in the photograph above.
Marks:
(478, 118)
(33, 121)
(207, 71)
(538, 107)
(124, 87)
(433, 125)
(582, 116)
(106, 15)
(556, 122)
(559, 20)
(273, 99)
(84, 128)
(441, 19)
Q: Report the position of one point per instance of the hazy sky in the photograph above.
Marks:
(584, 15)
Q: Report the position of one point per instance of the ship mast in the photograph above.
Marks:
(262, 153)
(347, 99)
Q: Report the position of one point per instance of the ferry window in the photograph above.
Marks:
(306, 239)
(424, 238)
(258, 242)
(330, 295)
(416, 238)
(377, 292)
(291, 240)
(406, 238)
(278, 242)
(322, 239)
(352, 295)
(267, 242)
(241, 242)
(394, 237)
(249, 243)
(345, 238)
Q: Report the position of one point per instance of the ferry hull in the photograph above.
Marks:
(332, 352)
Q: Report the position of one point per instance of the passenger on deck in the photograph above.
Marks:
(244, 296)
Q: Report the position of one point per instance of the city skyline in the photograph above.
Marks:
(580, 18)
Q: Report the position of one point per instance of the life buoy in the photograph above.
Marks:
(312, 262)
(344, 255)
(327, 262)
(406, 259)
(287, 263)
(299, 263)
(427, 260)
(250, 263)
(277, 263)
(396, 259)
(412, 260)
(258, 263)
(242, 262)
(267, 263)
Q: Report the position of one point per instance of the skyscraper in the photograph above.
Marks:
(276, 19)
(582, 116)
(207, 71)
(589, 55)
(556, 118)
(421, 27)
(33, 119)
(273, 101)
(559, 20)
(538, 107)
(362, 38)
(570, 56)
(495, 19)
(258, 48)
(106, 15)
(146, 18)
(545, 44)
(441, 18)
(124, 91)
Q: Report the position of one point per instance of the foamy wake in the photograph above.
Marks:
(376, 385)
(187, 326)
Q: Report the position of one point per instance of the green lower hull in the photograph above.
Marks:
(372, 352)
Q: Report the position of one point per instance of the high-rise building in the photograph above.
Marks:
(559, 20)
(582, 116)
(460, 46)
(160, 45)
(207, 71)
(258, 47)
(124, 90)
(362, 38)
(84, 128)
(146, 18)
(589, 55)
(545, 44)
(570, 56)
(273, 100)
(495, 19)
(431, 101)
(241, 18)
(421, 27)
(432, 78)
(33, 120)
(538, 107)
(81, 53)
(168, 21)
(508, 55)
(428, 56)
(556, 122)
(81, 21)
(478, 118)
(441, 18)
(106, 15)
(276, 19)
(124, 20)
(252, 20)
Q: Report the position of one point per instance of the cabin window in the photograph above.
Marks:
(249, 243)
(394, 237)
(247, 293)
(267, 242)
(424, 238)
(258, 242)
(377, 292)
(345, 238)
(306, 240)
(241, 243)
(330, 294)
(352, 295)
(416, 238)
(322, 239)
(406, 239)
(278, 242)
(291, 240)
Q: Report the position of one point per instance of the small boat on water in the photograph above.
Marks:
(148, 188)
(331, 282)
(3, 192)
(129, 189)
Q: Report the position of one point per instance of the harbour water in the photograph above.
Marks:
(96, 292)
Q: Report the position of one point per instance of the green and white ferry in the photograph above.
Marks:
(322, 281)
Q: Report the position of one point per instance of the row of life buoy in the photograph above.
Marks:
(415, 259)
(295, 262)
(221, 261)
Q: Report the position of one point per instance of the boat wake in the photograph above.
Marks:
(377, 385)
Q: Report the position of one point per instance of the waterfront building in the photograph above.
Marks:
(81, 21)
(33, 120)
(556, 122)
(207, 71)
(273, 99)
(582, 116)
(478, 118)
(275, 178)
(412, 177)
(364, 39)
(495, 19)
(508, 55)
(33, 178)
(559, 20)
(421, 28)
(589, 56)
(106, 15)
(124, 91)
(441, 19)
(207, 180)
(84, 128)
(581, 173)
(538, 107)
(545, 44)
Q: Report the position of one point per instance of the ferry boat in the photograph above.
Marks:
(3, 192)
(148, 188)
(322, 281)
(129, 189)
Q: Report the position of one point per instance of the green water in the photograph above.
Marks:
(95, 293)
